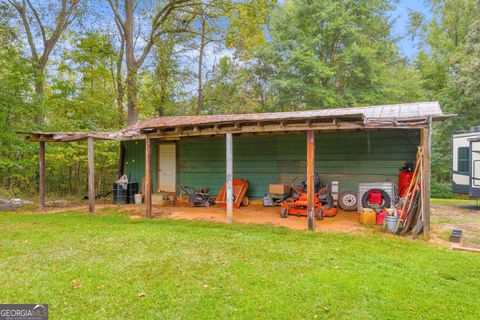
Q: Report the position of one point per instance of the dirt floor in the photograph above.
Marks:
(446, 216)
(257, 214)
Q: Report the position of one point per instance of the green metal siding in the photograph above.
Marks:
(134, 162)
(350, 157)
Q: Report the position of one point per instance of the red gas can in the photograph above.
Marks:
(381, 216)
(375, 197)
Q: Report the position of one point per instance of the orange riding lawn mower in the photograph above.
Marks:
(296, 203)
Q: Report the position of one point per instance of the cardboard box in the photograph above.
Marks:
(278, 188)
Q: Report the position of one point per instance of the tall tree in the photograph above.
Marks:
(231, 25)
(331, 53)
(448, 65)
(160, 23)
(165, 85)
(50, 28)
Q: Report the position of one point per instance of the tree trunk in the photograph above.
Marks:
(132, 67)
(119, 99)
(200, 99)
(132, 96)
(163, 100)
(39, 93)
(120, 86)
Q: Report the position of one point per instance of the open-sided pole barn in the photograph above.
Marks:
(348, 144)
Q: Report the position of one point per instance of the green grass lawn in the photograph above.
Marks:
(455, 201)
(108, 267)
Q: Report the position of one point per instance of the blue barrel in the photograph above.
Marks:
(391, 223)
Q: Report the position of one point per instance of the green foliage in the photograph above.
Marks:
(79, 98)
(441, 189)
(268, 56)
(448, 65)
(247, 21)
(326, 54)
(234, 89)
(163, 89)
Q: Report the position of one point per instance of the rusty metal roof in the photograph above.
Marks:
(408, 115)
(400, 111)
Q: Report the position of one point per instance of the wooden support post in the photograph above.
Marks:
(148, 177)
(41, 176)
(426, 135)
(229, 178)
(311, 179)
(91, 176)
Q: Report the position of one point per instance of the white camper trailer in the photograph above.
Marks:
(466, 162)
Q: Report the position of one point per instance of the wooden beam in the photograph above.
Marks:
(148, 177)
(91, 176)
(265, 128)
(41, 176)
(460, 248)
(426, 145)
(229, 177)
(311, 179)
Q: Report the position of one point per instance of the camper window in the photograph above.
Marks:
(463, 159)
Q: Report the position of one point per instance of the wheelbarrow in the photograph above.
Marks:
(240, 187)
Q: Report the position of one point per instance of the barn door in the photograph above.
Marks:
(166, 167)
(475, 169)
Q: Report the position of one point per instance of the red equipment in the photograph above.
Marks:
(405, 178)
(298, 206)
(240, 187)
(381, 217)
(375, 197)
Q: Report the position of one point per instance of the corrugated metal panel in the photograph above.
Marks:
(406, 110)
(372, 114)
(349, 157)
(134, 162)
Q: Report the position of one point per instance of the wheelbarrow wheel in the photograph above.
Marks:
(245, 201)
(283, 212)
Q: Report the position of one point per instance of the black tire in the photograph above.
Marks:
(283, 212)
(387, 201)
(347, 200)
(319, 214)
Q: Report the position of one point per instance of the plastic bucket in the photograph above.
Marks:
(391, 223)
(267, 201)
(138, 198)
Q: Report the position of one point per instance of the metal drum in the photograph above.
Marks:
(119, 194)
(132, 189)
